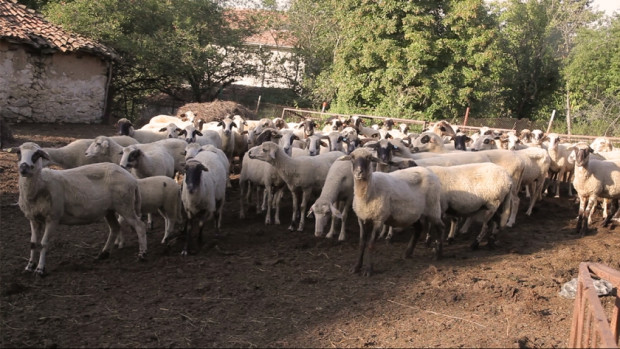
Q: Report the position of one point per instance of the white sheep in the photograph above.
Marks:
(234, 144)
(304, 173)
(82, 195)
(203, 193)
(160, 158)
(561, 168)
(159, 194)
(74, 154)
(593, 179)
(262, 175)
(105, 149)
(336, 200)
(146, 136)
(601, 144)
(480, 191)
(397, 199)
(204, 137)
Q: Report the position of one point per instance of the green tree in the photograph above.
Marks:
(532, 70)
(593, 72)
(418, 58)
(165, 44)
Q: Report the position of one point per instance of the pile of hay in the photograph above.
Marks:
(217, 110)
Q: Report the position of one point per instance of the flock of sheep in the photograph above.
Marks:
(391, 178)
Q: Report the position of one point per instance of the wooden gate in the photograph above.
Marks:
(590, 328)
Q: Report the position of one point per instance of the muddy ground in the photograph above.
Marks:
(263, 286)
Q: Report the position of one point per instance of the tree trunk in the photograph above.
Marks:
(568, 119)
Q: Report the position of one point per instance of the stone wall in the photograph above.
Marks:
(59, 87)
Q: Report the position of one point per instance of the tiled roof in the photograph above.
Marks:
(23, 25)
(269, 36)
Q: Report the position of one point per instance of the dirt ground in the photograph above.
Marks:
(263, 286)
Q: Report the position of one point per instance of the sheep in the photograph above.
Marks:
(601, 144)
(82, 195)
(161, 158)
(203, 193)
(257, 128)
(537, 162)
(398, 199)
(143, 136)
(593, 179)
(429, 142)
(305, 173)
(261, 173)
(193, 149)
(159, 194)
(233, 143)
(334, 124)
(461, 140)
(73, 154)
(443, 129)
(560, 166)
(480, 191)
(203, 138)
(105, 149)
(537, 138)
(356, 122)
(525, 136)
(336, 200)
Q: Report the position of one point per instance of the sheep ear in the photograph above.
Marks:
(335, 210)
(40, 154)
(388, 136)
(324, 144)
(272, 153)
(204, 168)
(310, 211)
(163, 129)
(198, 133)
(182, 132)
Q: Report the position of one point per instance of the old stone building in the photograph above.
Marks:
(48, 74)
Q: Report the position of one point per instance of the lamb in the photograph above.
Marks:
(257, 128)
(73, 154)
(159, 194)
(161, 158)
(368, 132)
(82, 195)
(593, 179)
(397, 199)
(303, 173)
(336, 199)
(203, 138)
(203, 193)
(143, 136)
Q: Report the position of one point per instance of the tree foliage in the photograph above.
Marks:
(430, 58)
(165, 44)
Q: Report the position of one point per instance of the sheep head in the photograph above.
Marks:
(29, 156)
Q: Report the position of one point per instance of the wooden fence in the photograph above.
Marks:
(590, 327)
(290, 113)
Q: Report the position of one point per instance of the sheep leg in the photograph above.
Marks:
(49, 227)
(415, 236)
(115, 227)
(295, 210)
(304, 204)
(364, 230)
(278, 198)
(242, 198)
(535, 194)
(604, 204)
(149, 222)
(188, 235)
(345, 214)
(258, 197)
(219, 207)
(453, 225)
(558, 181)
(514, 208)
(580, 215)
(265, 199)
(371, 246)
(591, 202)
(466, 225)
(612, 212)
(140, 229)
(35, 229)
(269, 198)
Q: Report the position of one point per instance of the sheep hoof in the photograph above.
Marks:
(291, 228)
(30, 267)
(142, 256)
(184, 253)
(40, 272)
(368, 272)
(474, 245)
(103, 255)
(450, 241)
(356, 269)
